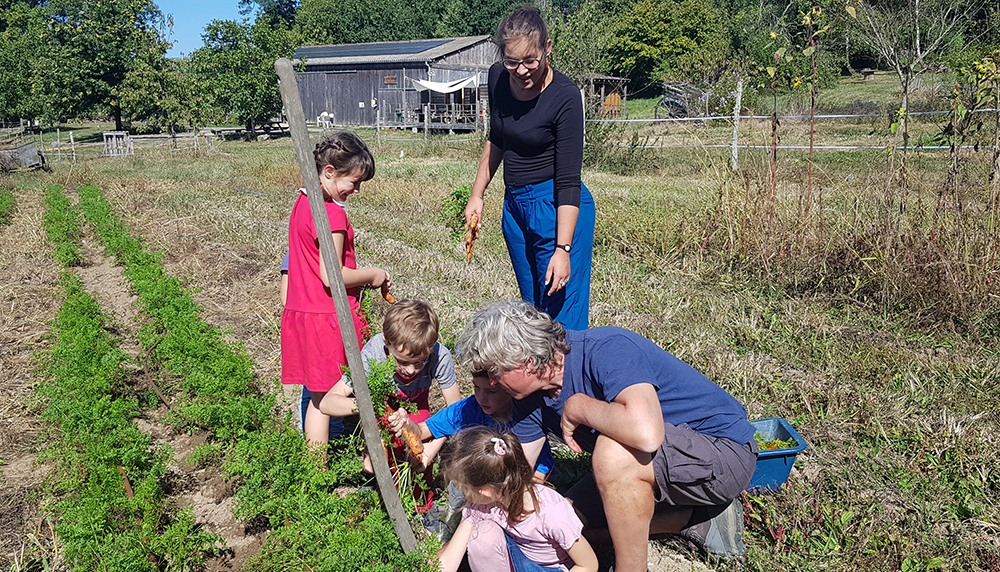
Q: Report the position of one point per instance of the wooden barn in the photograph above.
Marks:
(440, 83)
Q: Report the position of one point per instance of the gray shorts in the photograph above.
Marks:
(691, 469)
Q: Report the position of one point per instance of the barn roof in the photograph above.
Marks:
(386, 52)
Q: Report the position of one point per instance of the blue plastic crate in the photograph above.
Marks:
(773, 466)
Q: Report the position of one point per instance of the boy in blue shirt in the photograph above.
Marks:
(490, 406)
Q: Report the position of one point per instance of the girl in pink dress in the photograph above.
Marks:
(509, 522)
(312, 350)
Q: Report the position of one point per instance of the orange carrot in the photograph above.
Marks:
(387, 295)
(414, 442)
(471, 234)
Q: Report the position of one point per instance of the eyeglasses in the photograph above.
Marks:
(529, 64)
(418, 363)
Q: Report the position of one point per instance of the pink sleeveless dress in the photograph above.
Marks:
(312, 350)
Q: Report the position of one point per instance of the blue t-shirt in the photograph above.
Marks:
(604, 361)
(467, 413)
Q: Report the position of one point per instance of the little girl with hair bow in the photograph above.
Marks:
(509, 522)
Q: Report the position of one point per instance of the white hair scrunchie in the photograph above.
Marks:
(499, 447)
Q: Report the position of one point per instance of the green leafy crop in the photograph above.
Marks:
(62, 226)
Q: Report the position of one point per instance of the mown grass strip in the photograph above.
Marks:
(101, 526)
(62, 226)
(278, 480)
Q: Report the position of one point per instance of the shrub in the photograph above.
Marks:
(453, 210)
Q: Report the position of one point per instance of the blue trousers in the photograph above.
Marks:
(522, 563)
(336, 423)
(529, 228)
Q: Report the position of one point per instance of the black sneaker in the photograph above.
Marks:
(721, 535)
(431, 520)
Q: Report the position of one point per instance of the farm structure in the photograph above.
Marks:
(605, 95)
(437, 84)
(19, 151)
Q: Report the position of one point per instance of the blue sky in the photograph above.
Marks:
(190, 18)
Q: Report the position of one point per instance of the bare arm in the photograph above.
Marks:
(559, 267)
(430, 451)
(489, 162)
(533, 450)
(400, 419)
(584, 559)
(634, 418)
(451, 394)
(353, 277)
(451, 555)
(338, 401)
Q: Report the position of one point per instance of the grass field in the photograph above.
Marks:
(863, 310)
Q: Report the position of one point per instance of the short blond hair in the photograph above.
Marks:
(411, 326)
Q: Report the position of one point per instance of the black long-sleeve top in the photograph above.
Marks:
(542, 138)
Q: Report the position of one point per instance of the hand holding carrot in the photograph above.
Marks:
(404, 428)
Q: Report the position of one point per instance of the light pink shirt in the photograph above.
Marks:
(546, 535)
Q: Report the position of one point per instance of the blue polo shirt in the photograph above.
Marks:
(467, 413)
(604, 361)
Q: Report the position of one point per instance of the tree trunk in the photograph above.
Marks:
(905, 126)
(117, 111)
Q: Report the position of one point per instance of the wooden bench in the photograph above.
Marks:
(867, 74)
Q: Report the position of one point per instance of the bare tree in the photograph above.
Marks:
(913, 35)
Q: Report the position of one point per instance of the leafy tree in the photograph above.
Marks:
(280, 12)
(581, 38)
(166, 94)
(474, 17)
(237, 62)
(90, 48)
(359, 21)
(20, 28)
(660, 37)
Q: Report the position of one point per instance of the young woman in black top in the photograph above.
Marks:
(536, 130)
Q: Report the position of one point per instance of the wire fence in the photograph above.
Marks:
(738, 133)
(789, 132)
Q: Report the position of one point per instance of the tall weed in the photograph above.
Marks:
(912, 251)
(616, 149)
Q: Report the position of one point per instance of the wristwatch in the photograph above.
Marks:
(566, 247)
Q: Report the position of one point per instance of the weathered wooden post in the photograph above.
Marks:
(369, 425)
(736, 122)
(427, 121)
